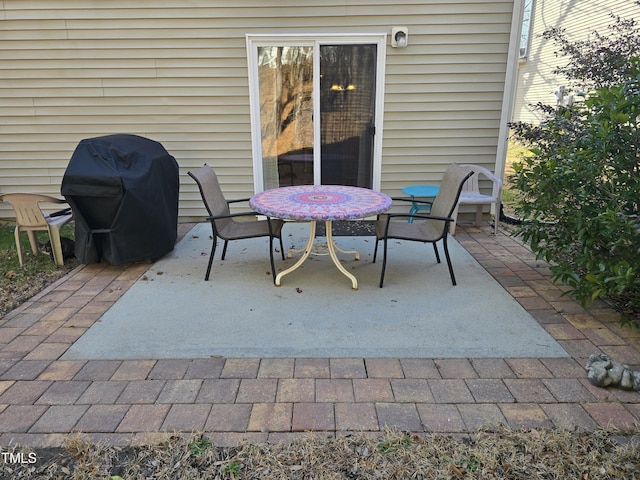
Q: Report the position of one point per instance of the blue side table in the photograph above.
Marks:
(421, 191)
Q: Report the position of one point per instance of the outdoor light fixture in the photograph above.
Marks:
(399, 37)
(342, 88)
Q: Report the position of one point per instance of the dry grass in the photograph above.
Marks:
(487, 454)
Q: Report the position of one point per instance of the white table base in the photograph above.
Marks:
(331, 247)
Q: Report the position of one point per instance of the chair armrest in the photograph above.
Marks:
(232, 215)
(497, 183)
(417, 215)
(238, 200)
(447, 220)
(405, 199)
(411, 200)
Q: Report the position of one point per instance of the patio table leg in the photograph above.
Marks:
(307, 251)
(332, 252)
(331, 247)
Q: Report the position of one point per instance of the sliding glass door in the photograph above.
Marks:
(316, 111)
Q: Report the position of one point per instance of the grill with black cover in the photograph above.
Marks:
(123, 190)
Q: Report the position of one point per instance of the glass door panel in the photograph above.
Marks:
(347, 114)
(285, 85)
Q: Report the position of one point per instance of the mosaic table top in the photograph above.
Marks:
(320, 202)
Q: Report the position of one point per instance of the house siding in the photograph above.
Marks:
(536, 82)
(176, 72)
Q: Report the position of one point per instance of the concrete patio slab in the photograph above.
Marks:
(173, 313)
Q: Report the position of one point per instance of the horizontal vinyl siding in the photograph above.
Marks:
(176, 72)
(536, 82)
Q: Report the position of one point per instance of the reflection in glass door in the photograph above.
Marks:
(347, 113)
(296, 86)
(285, 82)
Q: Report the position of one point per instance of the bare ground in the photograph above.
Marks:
(14, 294)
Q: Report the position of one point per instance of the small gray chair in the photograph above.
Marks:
(223, 222)
(436, 224)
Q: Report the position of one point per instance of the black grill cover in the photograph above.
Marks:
(123, 190)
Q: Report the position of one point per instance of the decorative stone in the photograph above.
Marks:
(604, 372)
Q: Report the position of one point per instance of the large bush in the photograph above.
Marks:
(581, 183)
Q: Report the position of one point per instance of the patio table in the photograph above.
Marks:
(314, 203)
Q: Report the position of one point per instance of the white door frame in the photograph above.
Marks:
(256, 40)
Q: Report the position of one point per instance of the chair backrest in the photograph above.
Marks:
(211, 193)
(452, 183)
(27, 209)
(471, 185)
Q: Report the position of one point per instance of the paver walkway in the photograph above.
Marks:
(43, 399)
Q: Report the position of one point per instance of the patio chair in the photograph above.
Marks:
(30, 218)
(435, 226)
(224, 223)
(471, 195)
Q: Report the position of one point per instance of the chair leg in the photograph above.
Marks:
(375, 251)
(56, 247)
(479, 209)
(281, 247)
(16, 234)
(435, 249)
(273, 265)
(213, 251)
(384, 261)
(452, 225)
(224, 249)
(33, 241)
(446, 254)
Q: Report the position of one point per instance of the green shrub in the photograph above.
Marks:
(581, 189)
(581, 184)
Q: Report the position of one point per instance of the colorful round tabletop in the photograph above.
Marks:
(320, 202)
